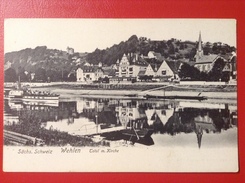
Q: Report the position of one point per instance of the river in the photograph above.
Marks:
(126, 122)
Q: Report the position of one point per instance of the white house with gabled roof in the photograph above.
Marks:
(164, 70)
(150, 71)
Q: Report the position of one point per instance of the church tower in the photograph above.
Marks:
(199, 52)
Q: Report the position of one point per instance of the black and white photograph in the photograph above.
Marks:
(120, 95)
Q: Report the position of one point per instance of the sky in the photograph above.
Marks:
(85, 35)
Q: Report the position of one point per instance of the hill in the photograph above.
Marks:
(172, 48)
(56, 64)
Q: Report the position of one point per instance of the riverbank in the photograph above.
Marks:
(210, 93)
(139, 89)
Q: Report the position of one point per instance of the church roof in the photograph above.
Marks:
(207, 59)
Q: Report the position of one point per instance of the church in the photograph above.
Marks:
(204, 62)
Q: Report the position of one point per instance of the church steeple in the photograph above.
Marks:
(199, 52)
(200, 42)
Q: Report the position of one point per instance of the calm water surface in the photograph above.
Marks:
(166, 123)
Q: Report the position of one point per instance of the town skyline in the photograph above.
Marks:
(86, 35)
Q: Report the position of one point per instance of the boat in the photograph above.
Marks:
(139, 133)
(141, 136)
(30, 95)
(39, 96)
(15, 94)
(176, 97)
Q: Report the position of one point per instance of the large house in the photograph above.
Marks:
(131, 65)
(89, 73)
(167, 70)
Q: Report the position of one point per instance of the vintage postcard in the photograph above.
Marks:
(120, 95)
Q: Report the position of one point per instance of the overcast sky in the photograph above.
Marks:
(85, 35)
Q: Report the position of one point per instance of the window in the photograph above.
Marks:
(163, 72)
(131, 69)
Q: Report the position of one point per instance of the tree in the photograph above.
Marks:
(225, 76)
(10, 75)
(192, 53)
(72, 77)
(182, 46)
(23, 77)
(203, 76)
(171, 49)
(40, 75)
(189, 72)
(216, 72)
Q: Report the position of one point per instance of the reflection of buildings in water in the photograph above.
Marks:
(233, 115)
(234, 118)
(131, 116)
(112, 115)
(162, 114)
(89, 105)
(204, 119)
(79, 105)
(203, 123)
(200, 127)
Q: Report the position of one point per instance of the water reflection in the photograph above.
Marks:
(134, 121)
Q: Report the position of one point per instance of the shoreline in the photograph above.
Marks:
(122, 94)
(137, 91)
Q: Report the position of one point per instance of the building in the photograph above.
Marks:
(155, 55)
(131, 66)
(123, 66)
(231, 65)
(138, 65)
(89, 73)
(70, 51)
(167, 70)
(204, 62)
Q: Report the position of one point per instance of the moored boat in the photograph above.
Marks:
(29, 95)
(39, 96)
(15, 94)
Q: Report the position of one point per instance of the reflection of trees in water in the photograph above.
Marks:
(184, 120)
(158, 126)
(220, 118)
(175, 125)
